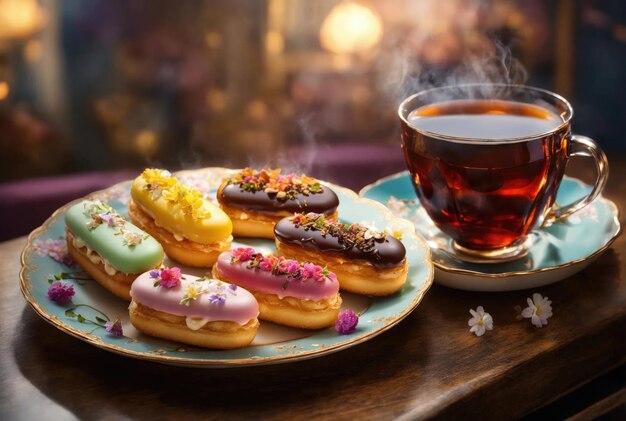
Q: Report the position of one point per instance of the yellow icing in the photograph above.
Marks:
(179, 209)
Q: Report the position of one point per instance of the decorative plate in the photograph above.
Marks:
(557, 251)
(44, 259)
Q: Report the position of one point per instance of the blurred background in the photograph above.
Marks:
(107, 84)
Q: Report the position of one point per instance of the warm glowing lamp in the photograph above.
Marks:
(20, 18)
(351, 28)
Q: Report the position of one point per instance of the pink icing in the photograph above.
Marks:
(268, 283)
(239, 306)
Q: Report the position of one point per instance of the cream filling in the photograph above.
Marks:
(390, 275)
(94, 257)
(195, 324)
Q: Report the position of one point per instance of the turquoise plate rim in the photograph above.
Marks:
(299, 349)
(610, 204)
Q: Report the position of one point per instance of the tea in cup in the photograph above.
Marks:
(486, 161)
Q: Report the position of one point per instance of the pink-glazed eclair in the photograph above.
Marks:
(290, 293)
(196, 311)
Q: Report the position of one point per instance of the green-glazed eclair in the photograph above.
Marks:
(109, 248)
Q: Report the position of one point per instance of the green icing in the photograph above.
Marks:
(109, 243)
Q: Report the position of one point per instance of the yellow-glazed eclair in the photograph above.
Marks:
(191, 229)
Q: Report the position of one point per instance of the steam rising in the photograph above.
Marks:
(407, 62)
(403, 75)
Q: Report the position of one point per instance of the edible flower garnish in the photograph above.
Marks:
(192, 292)
(347, 321)
(217, 298)
(157, 181)
(166, 277)
(216, 290)
(292, 270)
(114, 328)
(162, 183)
(60, 293)
(281, 186)
(242, 254)
(132, 238)
(101, 213)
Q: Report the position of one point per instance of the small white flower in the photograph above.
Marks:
(539, 310)
(480, 321)
(193, 292)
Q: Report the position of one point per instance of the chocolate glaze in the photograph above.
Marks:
(234, 196)
(386, 253)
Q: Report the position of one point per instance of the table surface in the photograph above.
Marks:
(428, 365)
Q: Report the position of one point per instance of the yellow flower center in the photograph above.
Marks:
(539, 310)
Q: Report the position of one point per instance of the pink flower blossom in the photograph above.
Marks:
(243, 254)
(289, 266)
(267, 264)
(61, 293)
(347, 322)
(170, 278)
(311, 271)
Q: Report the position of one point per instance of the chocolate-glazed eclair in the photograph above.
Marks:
(256, 200)
(365, 261)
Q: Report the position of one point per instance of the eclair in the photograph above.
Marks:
(289, 292)
(195, 311)
(256, 200)
(110, 249)
(365, 261)
(192, 230)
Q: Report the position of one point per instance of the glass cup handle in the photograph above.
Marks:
(583, 146)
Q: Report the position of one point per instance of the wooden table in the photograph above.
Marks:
(429, 365)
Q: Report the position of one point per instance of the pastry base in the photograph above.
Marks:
(291, 311)
(216, 335)
(185, 251)
(118, 284)
(253, 224)
(353, 275)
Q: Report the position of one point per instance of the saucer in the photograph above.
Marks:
(555, 252)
